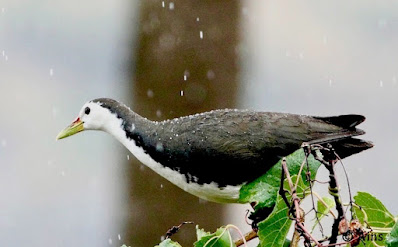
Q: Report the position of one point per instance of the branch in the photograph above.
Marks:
(248, 236)
(340, 222)
(298, 214)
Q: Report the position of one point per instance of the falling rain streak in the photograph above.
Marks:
(201, 34)
(158, 113)
(3, 53)
(149, 93)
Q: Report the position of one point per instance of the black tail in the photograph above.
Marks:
(343, 143)
(349, 146)
(345, 121)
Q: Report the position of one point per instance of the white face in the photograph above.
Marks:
(93, 116)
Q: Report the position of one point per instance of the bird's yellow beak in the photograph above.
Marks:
(72, 129)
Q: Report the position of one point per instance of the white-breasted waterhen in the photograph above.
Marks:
(212, 154)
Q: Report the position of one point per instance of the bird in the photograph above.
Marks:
(213, 154)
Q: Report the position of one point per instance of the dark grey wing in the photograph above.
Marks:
(232, 147)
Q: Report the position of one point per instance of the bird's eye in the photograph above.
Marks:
(87, 110)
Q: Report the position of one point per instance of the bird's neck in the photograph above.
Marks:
(127, 126)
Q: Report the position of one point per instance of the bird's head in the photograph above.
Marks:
(92, 116)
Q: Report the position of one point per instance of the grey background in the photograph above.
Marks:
(310, 57)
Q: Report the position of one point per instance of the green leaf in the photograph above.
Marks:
(378, 217)
(392, 238)
(168, 243)
(264, 189)
(323, 209)
(373, 211)
(273, 230)
(220, 238)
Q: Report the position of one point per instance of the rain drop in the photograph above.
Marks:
(244, 11)
(118, 236)
(210, 75)
(382, 23)
(110, 241)
(171, 5)
(163, 4)
(159, 147)
(197, 18)
(132, 127)
(158, 113)
(201, 34)
(330, 82)
(182, 93)
(6, 58)
(51, 72)
(63, 173)
(149, 93)
(161, 186)
(185, 77)
(381, 83)
(128, 157)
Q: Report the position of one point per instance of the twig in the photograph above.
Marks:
(333, 191)
(307, 150)
(295, 240)
(348, 183)
(298, 217)
(248, 236)
(174, 229)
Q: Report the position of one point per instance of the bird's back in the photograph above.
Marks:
(231, 147)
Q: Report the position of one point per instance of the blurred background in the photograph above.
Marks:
(167, 59)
